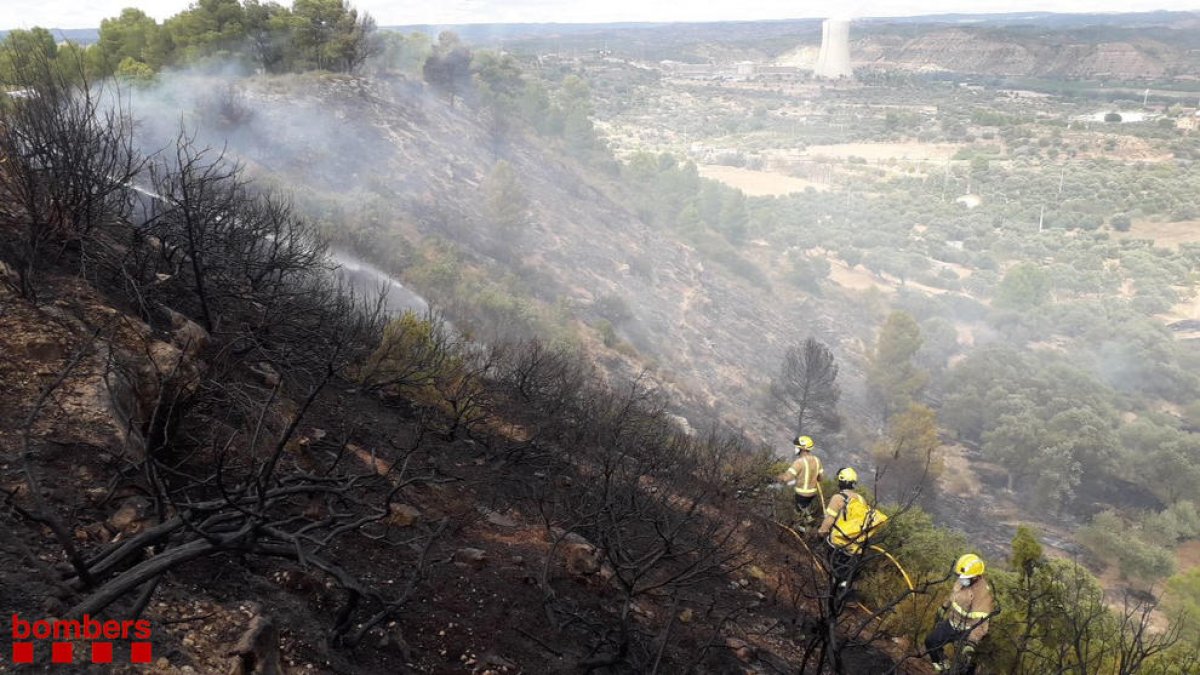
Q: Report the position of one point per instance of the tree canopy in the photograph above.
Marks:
(894, 380)
(806, 387)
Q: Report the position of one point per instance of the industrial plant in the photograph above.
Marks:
(833, 61)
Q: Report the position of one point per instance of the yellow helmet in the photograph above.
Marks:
(803, 443)
(969, 566)
(847, 475)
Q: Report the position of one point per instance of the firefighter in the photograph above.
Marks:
(849, 523)
(963, 619)
(805, 474)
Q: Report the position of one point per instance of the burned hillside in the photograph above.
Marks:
(204, 429)
(356, 351)
(386, 166)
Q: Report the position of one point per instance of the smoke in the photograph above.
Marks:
(308, 137)
(386, 166)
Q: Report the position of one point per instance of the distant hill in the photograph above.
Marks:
(1048, 19)
(1130, 46)
(1113, 47)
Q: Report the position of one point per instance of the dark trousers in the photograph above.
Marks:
(841, 564)
(941, 635)
(804, 506)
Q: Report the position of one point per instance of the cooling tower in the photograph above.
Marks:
(833, 61)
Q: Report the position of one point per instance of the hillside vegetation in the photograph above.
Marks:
(569, 473)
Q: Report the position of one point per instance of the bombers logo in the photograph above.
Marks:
(63, 635)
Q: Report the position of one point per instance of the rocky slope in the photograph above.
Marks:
(422, 163)
(288, 517)
(483, 585)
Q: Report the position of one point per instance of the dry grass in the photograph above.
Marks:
(911, 151)
(1168, 235)
(1187, 555)
(856, 278)
(1187, 309)
(758, 183)
(860, 279)
(958, 478)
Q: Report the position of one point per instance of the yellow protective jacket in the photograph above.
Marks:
(807, 472)
(850, 521)
(968, 607)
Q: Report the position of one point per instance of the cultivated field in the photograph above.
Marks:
(911, 151)
(1169, 235)
(757, 183)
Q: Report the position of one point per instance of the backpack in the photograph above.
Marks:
(856, 522)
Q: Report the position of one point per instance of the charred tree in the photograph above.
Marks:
(806, 387)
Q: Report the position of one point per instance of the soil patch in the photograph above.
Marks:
(959, 478)
(1168, 235)
(911, 151)
(758, 183)
(1187, 555)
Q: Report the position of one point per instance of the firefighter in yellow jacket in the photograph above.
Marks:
(963, 618)
(849, 524)
(805, 474)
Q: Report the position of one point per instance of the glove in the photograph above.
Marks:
(968, 653)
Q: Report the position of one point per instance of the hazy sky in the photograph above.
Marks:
(87, 13)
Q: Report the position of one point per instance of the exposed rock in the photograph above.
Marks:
(187, 334)
(580, 557)
(8, 275)
(490, 661)
(266, 374)
(475, 558)
(298, 581)
(404, 515)
(131, 517)
(683, 423)
(257, 652)
(93, 532)
(498, 519)
(642, 610)
(392, 640)
(557, 533)
(581, 560)
(167, 368)
(741, 649)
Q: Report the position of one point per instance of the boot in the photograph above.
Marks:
(801, 522)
